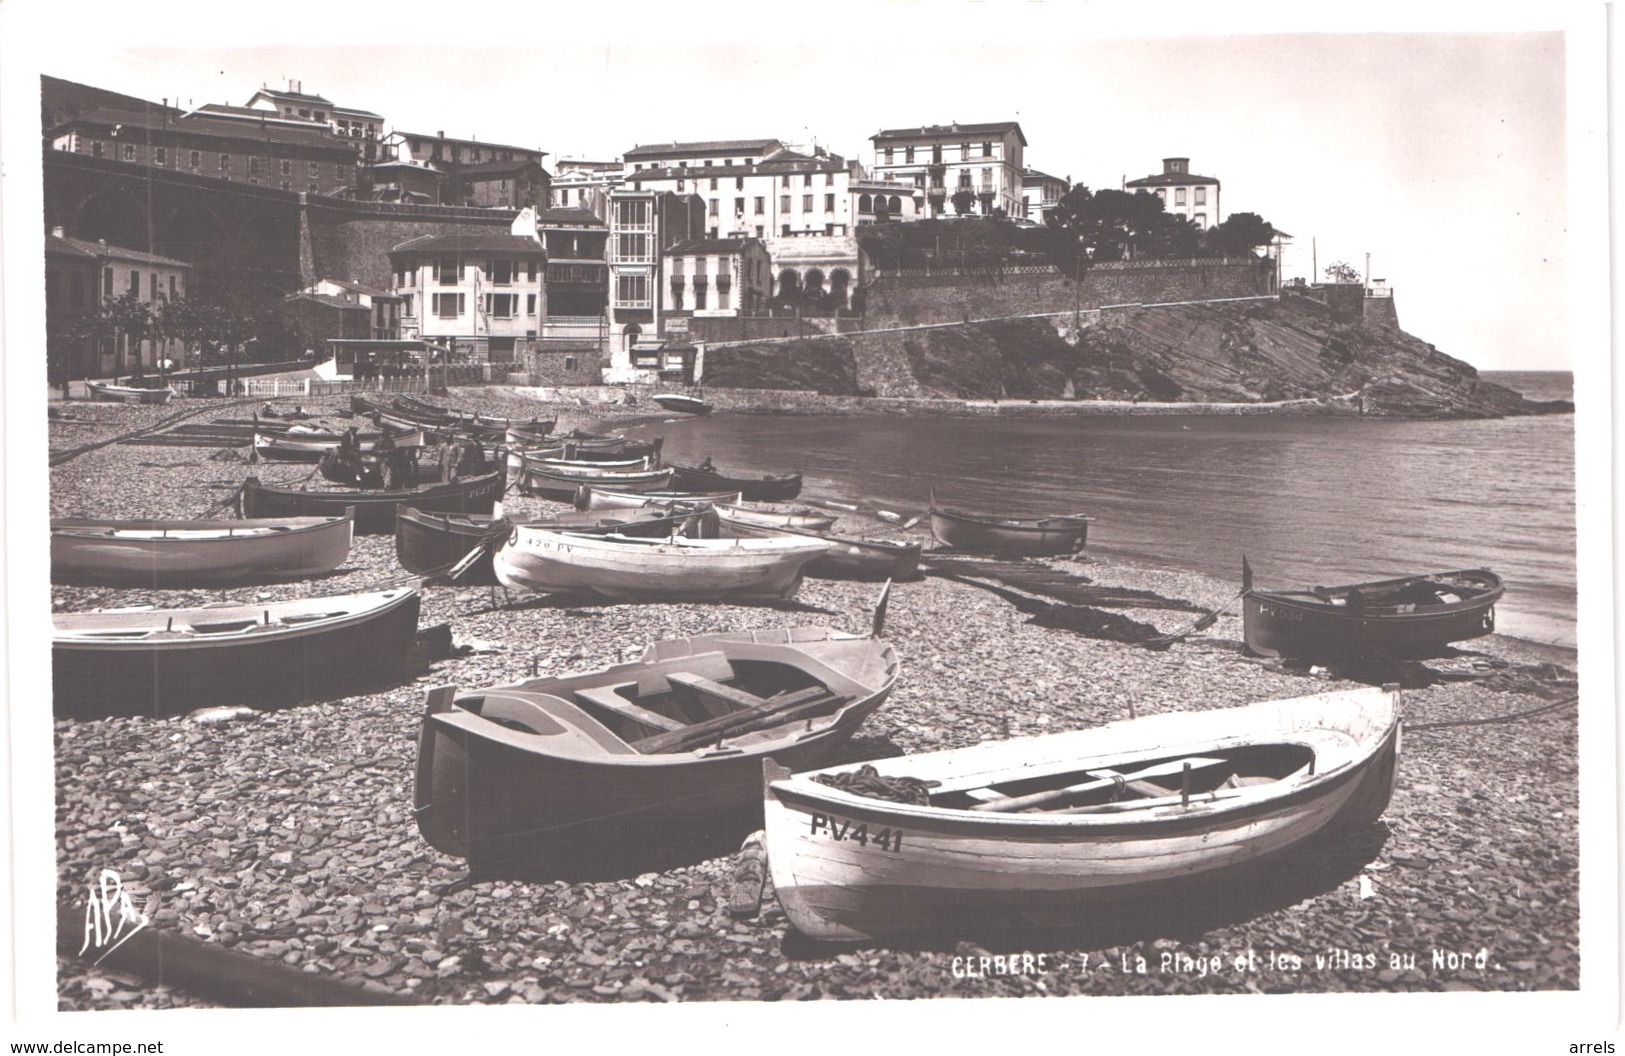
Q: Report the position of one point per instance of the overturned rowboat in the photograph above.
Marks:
(1037, 830)
(676, 737)
(107, 392)
(1008, 536)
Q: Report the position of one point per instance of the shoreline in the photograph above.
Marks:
(288, 833)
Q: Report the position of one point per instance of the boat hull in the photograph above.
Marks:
(852, 868)
(374, 510)
(128, 394)
(685, 404)
(160, 554)
(1040, 538)
(860, 559)
(136, 662)
(1274, 625)
(677, 569)
(602, 498)
(484, 792)
(759, 489)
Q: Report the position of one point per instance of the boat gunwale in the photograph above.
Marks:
(79, 640)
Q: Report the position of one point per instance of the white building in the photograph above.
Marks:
(940, 161)
(1196, 198)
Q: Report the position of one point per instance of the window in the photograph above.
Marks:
(739, 207)
(406, 305)
(152, 286)
(1199, 196)
(448, 271)
(713, 180)
(632, 290)
(501, 272)
(135, 284)
(784, 203)
(760, 202)
(530, 271)
(936, 153)
(129, 152)
(829, 203)
(758, 230)
(197, 159)
(634, 213)
(784, 231)
(253, 170)
(784, 181)
(680, 185)
(171, 287)
(699, 297)
(225, 163)
(501, 305)
(530, 304)
(1179, 196)
(964, 152)
(739, 183)
(888, 155)
(708, 163)
(1201, 219)
(806, 179)
(287, 167)
(712, 208)
(107, 282)
(569, 362)
(908, 155)
(160, 155)
(95, 148)
(287, 185)
(448, 305)
(631, 247)
(722, 297)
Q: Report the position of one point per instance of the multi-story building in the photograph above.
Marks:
(942, 160)
(478, 294)
(489, 174)
(80, 278)
(705, 154)
(642, 224)
(271, 154)
(1039, 193)
(877, 201)
(364, 126)
(1196, 198)
(717, 277)
(584, 184)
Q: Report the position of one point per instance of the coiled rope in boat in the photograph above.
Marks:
(866, 781)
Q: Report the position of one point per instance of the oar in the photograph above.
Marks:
(1163, 769)
(1209, 618)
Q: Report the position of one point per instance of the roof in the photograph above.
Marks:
(704, 146)
(354, 112)
(700, 246)
(471, 243)
(102, 249)
(327, 300)
(1171, 179)
(426, 137)
(293, 97)
(359, 287)
(933, 131)
(202, 123)
(787, 162)
(409, 165)
(1034, 174)
(569, 216)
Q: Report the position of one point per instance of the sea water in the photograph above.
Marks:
(1306, 500)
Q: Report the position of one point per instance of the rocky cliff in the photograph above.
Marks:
(1251, 352)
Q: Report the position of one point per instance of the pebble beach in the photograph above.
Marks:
(287, 833)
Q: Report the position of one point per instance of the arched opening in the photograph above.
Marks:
(866, 203)
(115, 217)
(895, 204)
(789, 292)
(812, 289)
(194, 233)
(840, 280)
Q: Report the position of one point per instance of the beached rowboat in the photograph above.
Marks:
(560, 483)
(675, 738)
(676, 401)
(808, 520)
(295, 446)
(1410, 617)
(434, 543)
(852, 558)
(617, 566)
(754, 489)
(602, 498)
(151, 661)
(374, 510)
(166, 553)
(106, 392)
(1009, 536)
(1036, 830)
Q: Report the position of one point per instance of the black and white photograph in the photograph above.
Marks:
(791, 523)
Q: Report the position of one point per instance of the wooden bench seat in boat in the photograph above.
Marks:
(549, 716)
(607, 698)
(717, 699)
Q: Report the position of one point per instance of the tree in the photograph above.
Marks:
(1170, 235)
(1239, 235)
(125, 316)
(964, 201)
(1105, 222)
(1341, 272)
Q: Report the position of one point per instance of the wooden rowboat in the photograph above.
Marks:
(374, 510)
(560, 483)
(1409, 618)
(429, 544)
(754, 489)
(808, 520)
(1038, 829)
(851, 558)
(676, 401)
(672, 739)
(1008, 536)
(618, 566)
(106, 392)
(605, 498)
(165, 553)
(150, 661)
(310, 447)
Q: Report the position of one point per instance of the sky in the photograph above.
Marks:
(1440, 146)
